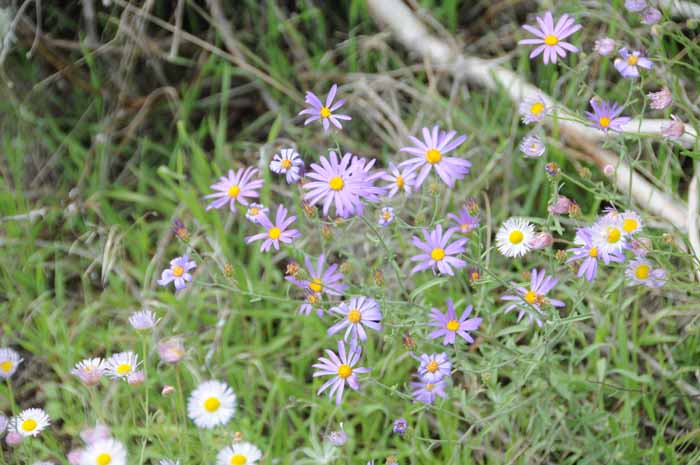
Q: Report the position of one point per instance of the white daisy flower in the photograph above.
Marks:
(514, 237)
(241, 453)
(631, 222)
(255, 210)
(121, 365)
(9, 361)
(289, 163)
(89, 370)
(213, 403)
(143, 320)
(30, 422)
(104, 452)
(607, 234)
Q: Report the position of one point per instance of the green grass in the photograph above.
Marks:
(111, 158)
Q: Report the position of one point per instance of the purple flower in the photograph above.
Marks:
(320, 281)
(399, 180)
(604, 46)
(660, 99)
(527, 300)
(434, 367)
(630, 63)
(641, 271)
(178, 272)
(312, 301)
(143, 320)
(430, 153)
(590, 254)
(338, 438)
(236, 187)
(449, 326)
(606, 116)
(635, 6)
(541, 240)
(255, 211)
(532, 146)
(341, 367)
(561, 206)
(400, 426)
(533, 109)
(324, 112)
(386, 217)
(464, 222)
(550, 37)
(289, 163)
(275, 233)
(438, 254)
(357, 313)
(426, 392)
(171, 350)
(344, 183)
(651, 16)
(673, 130)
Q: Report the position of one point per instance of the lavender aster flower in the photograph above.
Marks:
(344, 183)
(320, 281)
(400, 426)
(550, 38)
(426, 392)
(604, 46)
(236, 187)
(606, 116)
(651, 16)
(532, 147)
(178, 272)
(357, 313)
(533, 109)
(312, 302)
(289, 163)
(275, 233)
(399, 180)
(589, 254)
(324, 111)
(171, 350)
(641, 271)
(674, 130)
(255, 211)
(635, 6)
(9, 361)
(338, 438)
(430, 153)
(438, 252)
(449, 326)
(464, 221)
(143, 320)
(341, 367)
(386, 216)
(660, 99)
(434, 367)
(527, 300)
(89, 371)
(630, 63)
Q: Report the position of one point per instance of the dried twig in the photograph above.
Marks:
(175, 45)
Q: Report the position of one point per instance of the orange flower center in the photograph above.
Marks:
(286, 164)
(632, 60)
(432, 367)
(178, 271)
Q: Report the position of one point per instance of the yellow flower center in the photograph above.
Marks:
(254, 211)
(466, 227)
(6, 366)
(354, 316)
(274, 233)
(433, 156)
(286, 163)
(437, 254)
(537, 108)
(614, 235)
(551, 40)
(516, 237)
(238, 459)
(604, 122)
(212, 404)
(630, 225)
(452, 325)
(386, 215)
(312, 299)
(642, 271)
(336, 183)
(178, 271)
(429, 387)
(29, 425)
(315, 285)
(432, 366)
(344, 371)
(325, 112)
(530, 297)
(593, 252)
(123, 369)
(475, 275)
(632, 60)
(399, 182)
(103, 459)
(233, 191)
